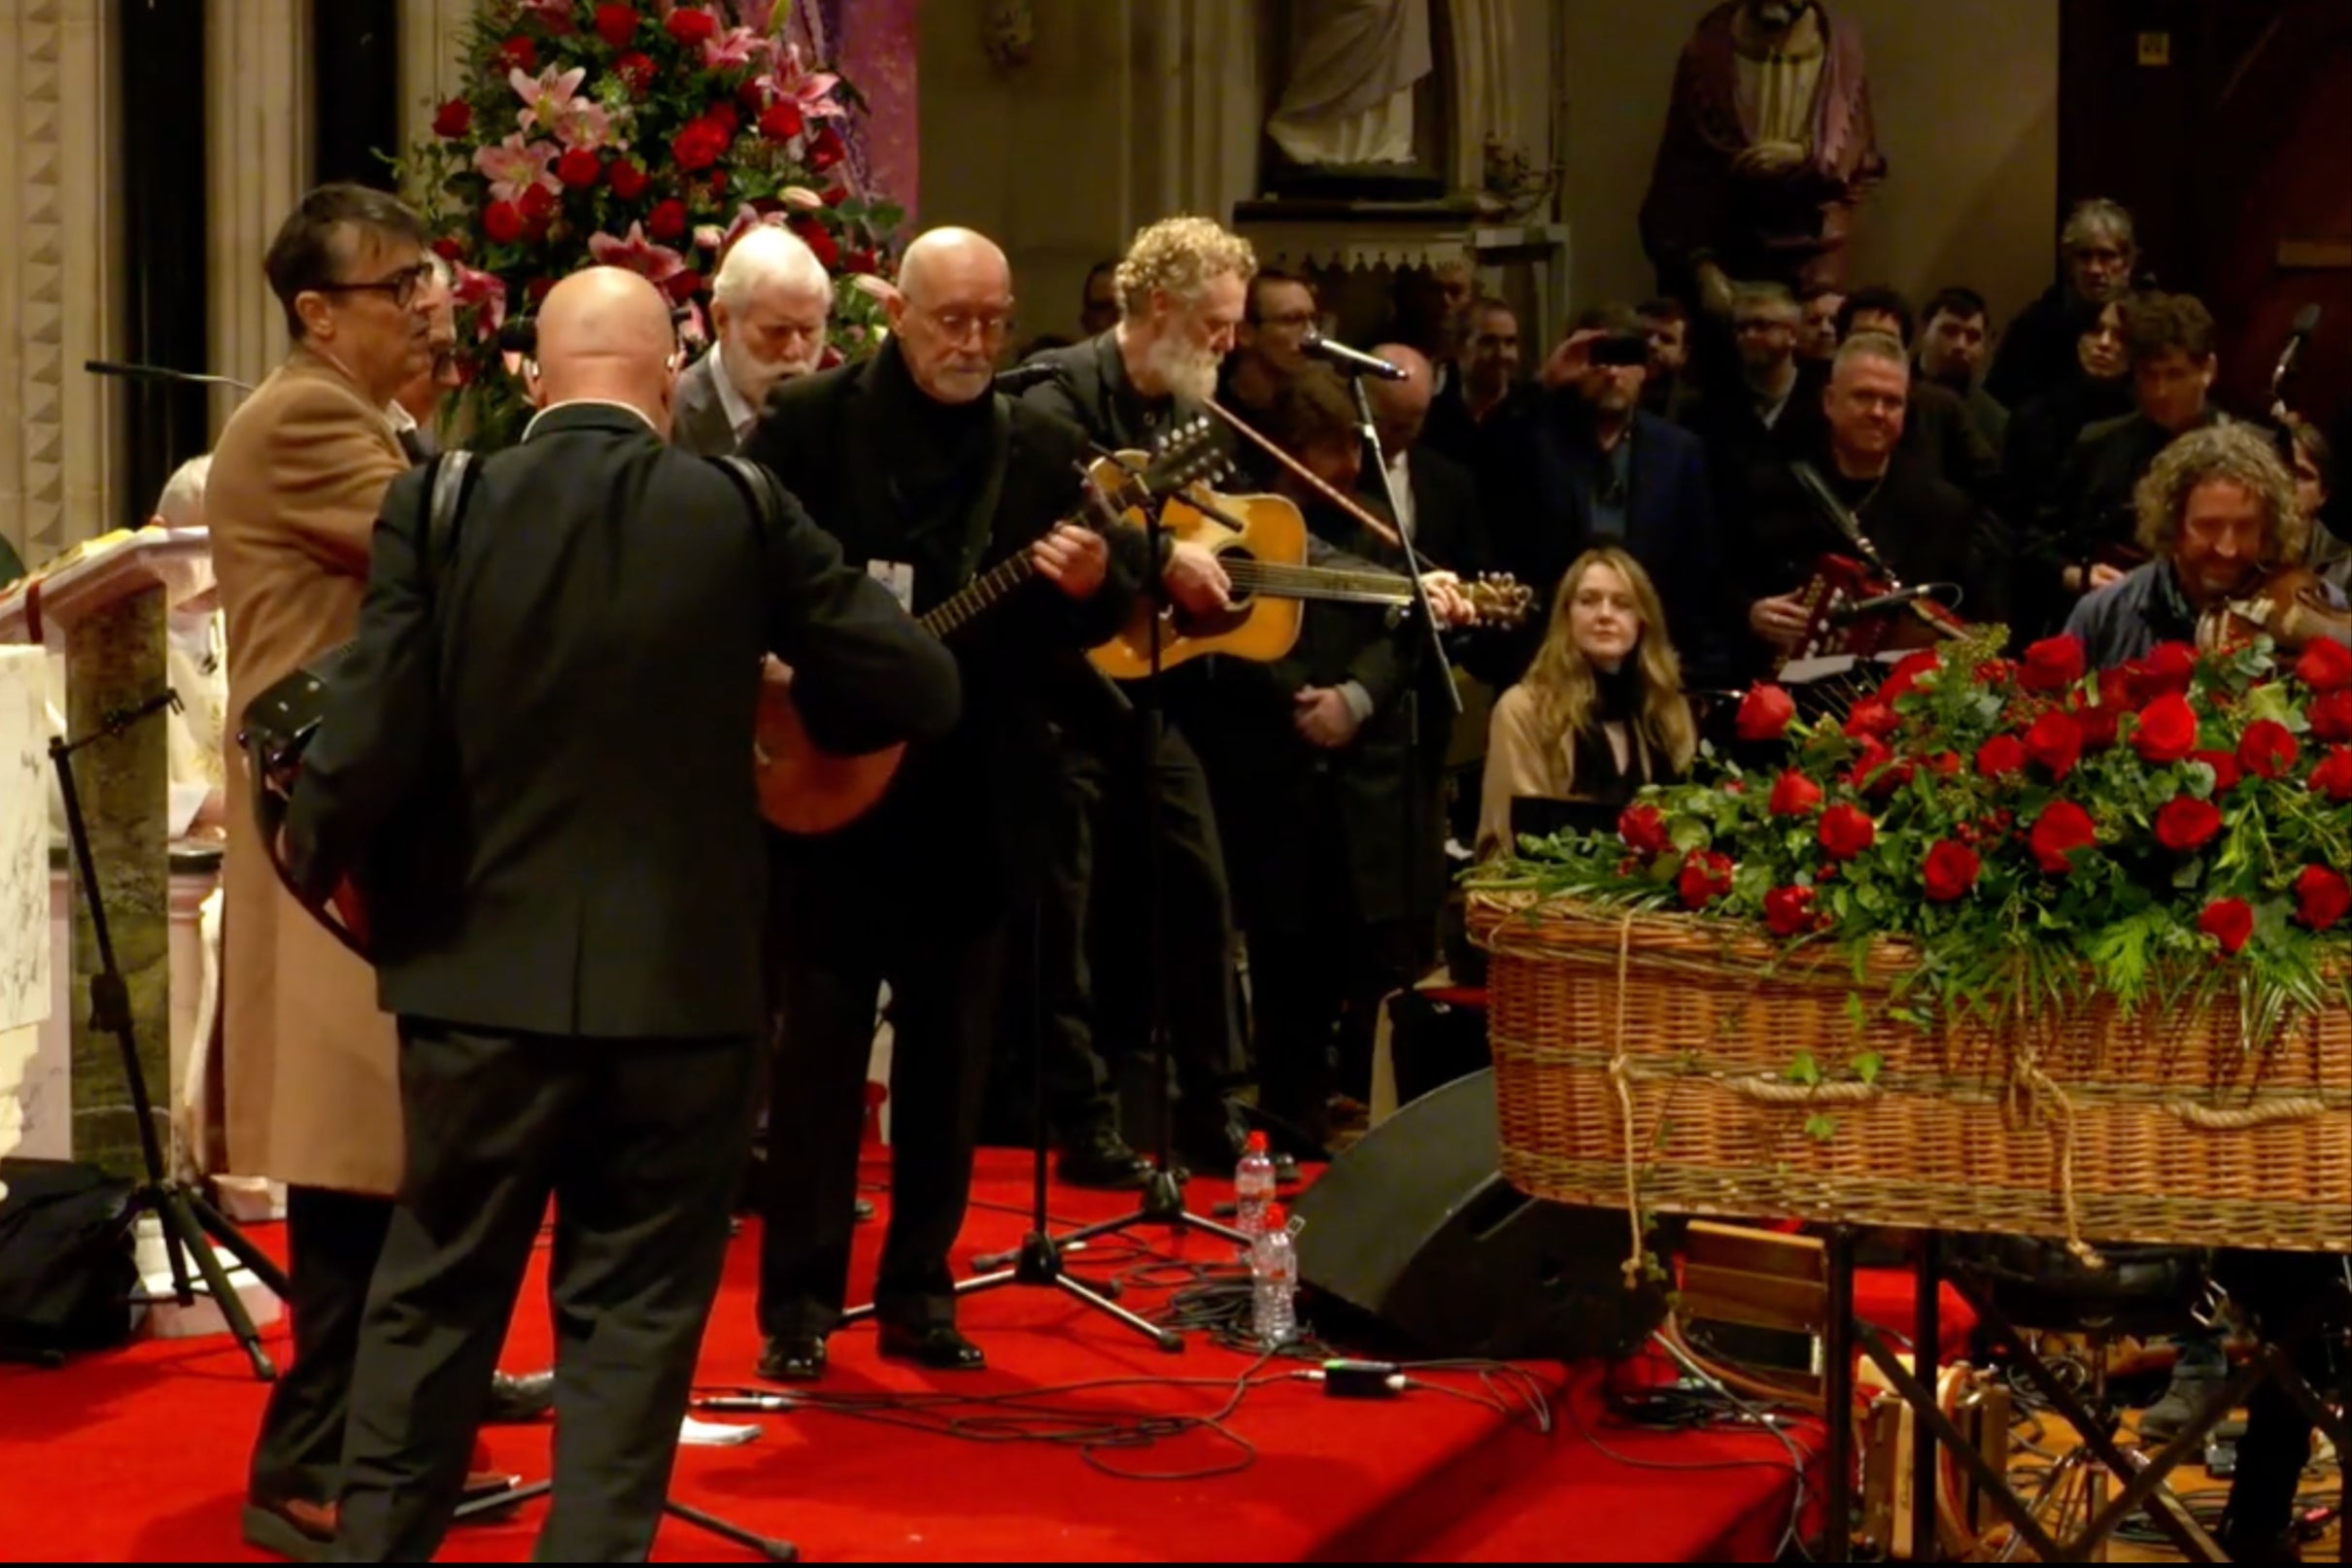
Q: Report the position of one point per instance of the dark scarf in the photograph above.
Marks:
(933, 456)
(1618, 698)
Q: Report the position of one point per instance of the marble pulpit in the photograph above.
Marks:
(104, 606)
(24, 997)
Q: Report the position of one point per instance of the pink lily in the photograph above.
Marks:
(812, 91)
(657, 263)
(735, 48)
(547, 96)
(482, 288)
(554, 15)
(514, 167)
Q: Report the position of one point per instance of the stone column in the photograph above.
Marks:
(57, 273)
(431, 33)
(25, 956)
(258, 99)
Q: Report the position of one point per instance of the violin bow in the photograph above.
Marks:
(1328, 492)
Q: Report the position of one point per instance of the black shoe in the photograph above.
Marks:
(1210, 1151)
(1101, 1159)
(938, 1346)
(297, 1531)
(514, 1401)
(793, 1358)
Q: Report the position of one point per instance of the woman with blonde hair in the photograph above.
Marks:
(1600, 712)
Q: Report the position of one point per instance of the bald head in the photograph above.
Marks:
(604, 334)
(1400, 407)
(953, 310)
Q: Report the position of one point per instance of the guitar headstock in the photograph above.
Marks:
(1188, 455)
(1499, 599)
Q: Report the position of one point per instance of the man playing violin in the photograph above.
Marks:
(2218, 514)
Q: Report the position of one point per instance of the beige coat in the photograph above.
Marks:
(309, 1064)
(1522, 762)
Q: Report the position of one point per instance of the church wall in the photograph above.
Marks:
(1967, 101)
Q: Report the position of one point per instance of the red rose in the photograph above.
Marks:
(2055, 741)
(2099, 721)
(1794, 795)
(821, 244)
(2185, 823)
(684, 285)
(1642, 829)
(579, 168)
(2061, 829)
(2224, 769)
(2000, 757)
(700, 143)
(635, 71)
(1905, 675)
(2320, 897)
(864, 262)
(2325, 667)
(502, 221)
(617, 25)
(2267, 749)
(1706, 876)
(1946, 763)
(1872, 717)
(1950, 870)
(723, 115)
(668, 221)
(2333, 777)
(2052, 665)
(449, 248)
(1887, 780)
(781, 122)
(2331, 717)
(2166, 731)
(2228, 921)
(627, 178)
(1788, 910)
(1845, 830)
(454, 119)
(691, 25)
(537, 204)
(1764, 713)
(538, 288)
(834, 195)
(519, 54)
(826, 149)
(2169, 666)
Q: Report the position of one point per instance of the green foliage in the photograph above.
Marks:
(634, 105)
(2127, 916)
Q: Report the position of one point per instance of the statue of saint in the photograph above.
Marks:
(1769, 149)
(1355, 64)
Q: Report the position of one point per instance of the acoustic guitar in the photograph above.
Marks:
(1261, 542)
(805, 791)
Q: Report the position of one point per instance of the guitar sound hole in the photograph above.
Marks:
(1233, 616)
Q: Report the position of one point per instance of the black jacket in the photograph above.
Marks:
(540, 752)
(961, 825)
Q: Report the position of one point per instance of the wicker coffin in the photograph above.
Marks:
(1673, 1036)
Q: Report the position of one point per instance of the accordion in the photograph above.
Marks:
(1851, 609)
(278, 727)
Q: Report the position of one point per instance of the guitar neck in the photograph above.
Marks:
(983, 592)
(1325, 583)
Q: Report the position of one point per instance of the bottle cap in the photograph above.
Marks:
(1255, 1142)
(1277, 1217)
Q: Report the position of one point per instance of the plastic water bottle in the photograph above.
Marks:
(1274, 1273)
(1252, 1187)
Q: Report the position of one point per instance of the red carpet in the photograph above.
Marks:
(139, 1454)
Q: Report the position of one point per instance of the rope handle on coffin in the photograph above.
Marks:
(2213, 1120)
(1765, 1089)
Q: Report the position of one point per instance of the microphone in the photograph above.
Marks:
(2306, 322)
(156, 372)
(1848, 614)
(1022, 376)
(1351, 361)
(763, 1403)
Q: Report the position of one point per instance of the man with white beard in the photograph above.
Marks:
(769, 307)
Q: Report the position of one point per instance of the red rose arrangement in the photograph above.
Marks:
(646, 135)
(2037, 829)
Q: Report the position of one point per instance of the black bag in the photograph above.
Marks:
(66, 1275)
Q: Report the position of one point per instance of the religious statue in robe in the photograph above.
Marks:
(1349, 101)
(1768, 150)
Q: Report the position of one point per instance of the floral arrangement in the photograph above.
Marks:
(643, 135)
(2169, 832)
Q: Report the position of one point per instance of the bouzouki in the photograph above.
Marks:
(805, 791)
(1261, 542)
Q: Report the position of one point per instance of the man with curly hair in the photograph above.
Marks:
(2217, 511)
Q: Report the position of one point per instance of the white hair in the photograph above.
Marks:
(441, 269)
(182, 500)
(769, 254)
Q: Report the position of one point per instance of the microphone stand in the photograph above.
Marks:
(185, 1218)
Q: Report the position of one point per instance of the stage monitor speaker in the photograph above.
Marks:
(1416, 1228)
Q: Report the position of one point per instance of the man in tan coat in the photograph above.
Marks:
(309, 1069)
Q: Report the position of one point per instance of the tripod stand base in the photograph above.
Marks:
(190, 1227)
(770, 1546)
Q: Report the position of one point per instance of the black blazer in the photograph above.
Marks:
(540, 752)
(962, 819)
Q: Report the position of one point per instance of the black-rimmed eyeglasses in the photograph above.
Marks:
(401, 285)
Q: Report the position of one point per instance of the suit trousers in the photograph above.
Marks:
(334, 1240)
(943, 978)
(640, 1142)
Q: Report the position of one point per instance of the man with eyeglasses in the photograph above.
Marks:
(416, 407)
(1268, 351)
(926, 476)
(2099, 259)
(309, 1066)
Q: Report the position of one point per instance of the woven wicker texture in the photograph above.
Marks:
(2156, 1128)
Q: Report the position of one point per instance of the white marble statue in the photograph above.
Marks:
(1353, 66)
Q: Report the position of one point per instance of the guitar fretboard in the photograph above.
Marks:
(980, 594)
(1320, 582)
